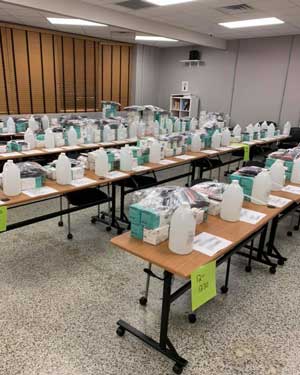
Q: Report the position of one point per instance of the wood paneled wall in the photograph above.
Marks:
(44, 72)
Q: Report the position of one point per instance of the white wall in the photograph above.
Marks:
(254, 79)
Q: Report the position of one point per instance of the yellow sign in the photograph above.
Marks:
(203, 285)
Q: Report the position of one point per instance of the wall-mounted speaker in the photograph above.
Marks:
(195, 55)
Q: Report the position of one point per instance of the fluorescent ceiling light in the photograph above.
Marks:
(252, 23)
(154, 38)
(72, 22)
(167, 2)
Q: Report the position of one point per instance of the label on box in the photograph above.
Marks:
(203, 285)
(10, 154)
(250, 216)
(291, 189)
(40, 191)
(209, 244)
(140, 168)
(82, 182)
(116, 174)
(209, 152)
(167, 162)
(185, 157)
(278, 201)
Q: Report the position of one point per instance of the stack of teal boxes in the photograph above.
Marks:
(245, 182)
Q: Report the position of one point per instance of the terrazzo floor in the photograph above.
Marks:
(60, 301)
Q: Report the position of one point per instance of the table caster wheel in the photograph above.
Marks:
(108, 229)
(93, 220)
(143, 301)
(248, 268)
(102, 217)
(120, 331)
(177, 369)
(119, 231)
(289, 234)
(273, 270)
(296, 227)
(70, 236)
(60, 224)
(280, 262)
(192, 318)
(224, 289)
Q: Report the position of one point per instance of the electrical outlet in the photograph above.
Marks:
(184, 86)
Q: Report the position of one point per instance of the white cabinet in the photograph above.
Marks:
(184, 105)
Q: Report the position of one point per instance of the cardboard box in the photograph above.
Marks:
(156, 236)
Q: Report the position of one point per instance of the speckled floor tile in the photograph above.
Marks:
(60, 301)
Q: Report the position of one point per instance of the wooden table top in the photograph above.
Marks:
(184, 265)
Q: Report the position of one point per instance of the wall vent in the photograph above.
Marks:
(135, 4)
(236, 9)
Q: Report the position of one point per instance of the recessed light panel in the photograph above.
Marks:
(154, 38)
(167, 2)
(73, 22)
(252, 23)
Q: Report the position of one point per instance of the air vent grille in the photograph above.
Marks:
(135, 4)
(236, 9)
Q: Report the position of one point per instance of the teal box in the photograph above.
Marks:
(40, 137)
(150, 219)
(288, 164)
(137, 231)
(245, 182)
(146, 158)
(21, 126)
(210, 131)
(140, 160)
(207, 140)
(288, 176)
(245, 137)
(255, 135)
(111, 157)
(39, 181)
(263, 134)
(135, 213)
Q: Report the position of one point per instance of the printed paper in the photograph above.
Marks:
(209, 244)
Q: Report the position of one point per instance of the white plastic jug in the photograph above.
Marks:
(287, 128)
(49, 138)
(177, 126)
(45, 122)
(264, 125)
(32, 124)
(141, 129)
(277, 173)
(237, 130)
(232, 202)
(170, 126)
(11, 126)
(156, 128)
(72, 136)
(257, 129)
(271, 130)
(262, 186)
(125, 159)
(182, 230)
(107, 133)
(295, 178)
(121, 133)
(63, 170)
(196, 143)
(216, 139)
(133, 129)
(29, 138)
(193, 124)
(101, 162)
(155, 152)
(183, 126)
(225, 140)
(250, 129)
(11, 179)
(90, 133)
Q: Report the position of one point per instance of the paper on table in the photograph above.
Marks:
(82, 181)
(292, 189)
(106, 143)
(140, 168)
(55, 149)
(40, 191)
(166, 162)
(32, 152)
(70, 147)
(11, 154)
(1, 202)
(209, 244)
(278, 201)
(224, 148)
(249, 143)
(89, 145)
(131, 139)
(116, 174)
(209, 152)
(250, 216)
(185, 157)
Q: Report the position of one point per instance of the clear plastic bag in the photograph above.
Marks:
(213, 189)
(31, 169)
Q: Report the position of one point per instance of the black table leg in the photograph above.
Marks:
(272, 251)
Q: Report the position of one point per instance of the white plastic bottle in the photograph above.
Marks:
(49, 138)
(106, 133)
(225, 140)
(141, 129)
(257, 129)
(45, 122)
(155, 152)
(90, 133)
(133, 129)
(63, 170)
(125, 159)
(11, 179)
(232, 202)
(30, 138)
(295, 178)
(216, 139)
(11, 126)
(264, 125)
(182, 230)
(262, 186)
(196, 143)
(250, 129)
(237, 130)
(287, 128)
(277, 173)
(177, 126)
(101, 163)
(32, 124)
(72, 136)
(170, 126)
(194, 124)
(183, 126)
(271, 130)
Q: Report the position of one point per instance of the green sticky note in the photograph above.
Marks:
(203, 285)
(246, 152)
(3, 219)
